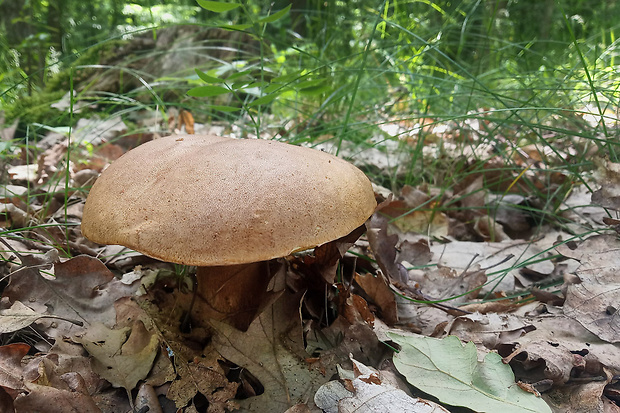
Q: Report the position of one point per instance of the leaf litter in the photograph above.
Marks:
(457, 263)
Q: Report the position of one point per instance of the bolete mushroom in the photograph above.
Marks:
(227, 206)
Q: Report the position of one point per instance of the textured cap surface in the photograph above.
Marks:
(206, 200)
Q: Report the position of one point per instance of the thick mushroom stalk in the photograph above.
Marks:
(227, 206)
(235, 293)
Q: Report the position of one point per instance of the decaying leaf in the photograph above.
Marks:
(272, 350)
(42, 398)
(567, 349)
(608, 196)
(203, 375)
(123, 357)
(82, 289)
(452, 372)
(379, 291)
(365, 390)
(11, 370)
(593, 301)
(19, 316)
(187, 365)
(414, 211)
(506, 259)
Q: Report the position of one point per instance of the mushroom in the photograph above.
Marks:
(227, 206)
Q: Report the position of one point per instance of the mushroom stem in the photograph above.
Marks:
(233, 293)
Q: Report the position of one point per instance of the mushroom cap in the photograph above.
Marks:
(206, 200)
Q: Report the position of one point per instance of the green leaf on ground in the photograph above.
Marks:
(450, 371)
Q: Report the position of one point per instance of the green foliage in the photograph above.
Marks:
(450, 371)
(36, 109)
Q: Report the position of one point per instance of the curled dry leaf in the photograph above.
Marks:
(379, 292)
(567, 349)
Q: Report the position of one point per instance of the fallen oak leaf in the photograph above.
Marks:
(82, 288)
(183, 363)
(272, 350)
(20, 316)
(203, 375)
(591, 300)
(11, 369)
(123, 357)
(43, 398)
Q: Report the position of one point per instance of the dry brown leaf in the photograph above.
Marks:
(593, 301)
(6, 402)
(11, 370)
(48, 162)
(122, 357)
(490, 330)
(189, 366)
(379, 292)
(272, 350)
(567, 349)
(459, 256)
(82, 289)
(147, 398)
(608, 196)
(186, 119)
(585, 398)
(384, 248)
(368, 392)
(68, 357)
(42, 398)
(19, 316)
(203, 375)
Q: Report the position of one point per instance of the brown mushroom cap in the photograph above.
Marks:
(206, 200)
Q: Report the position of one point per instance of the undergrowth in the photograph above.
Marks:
(415, 94)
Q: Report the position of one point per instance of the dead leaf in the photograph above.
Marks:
(414, 211)
(203, 375)
(272, 350)
(593, 301)
(369, 393)
(11, 370)
(561, 349)
(380, 293)
(20, 316)
(186, 119)
(123, 357)
(82, 289)
(384, 249)
(608, 196)
(186, 362)
(42, 398)
(49, 160)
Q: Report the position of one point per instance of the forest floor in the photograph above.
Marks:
(471, 297)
